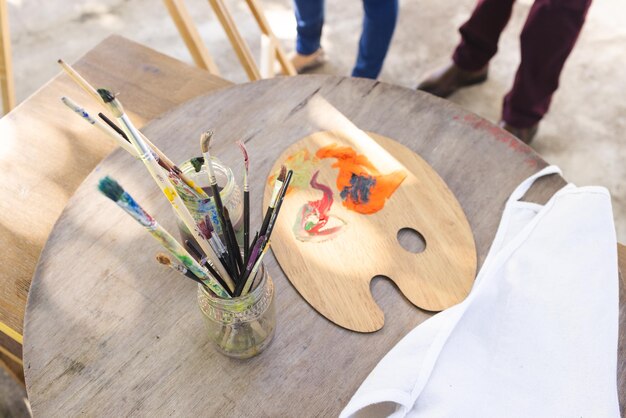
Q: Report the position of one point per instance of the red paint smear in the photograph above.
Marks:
(499, 135)
(531, 162)
(320, 207)
(350, 163)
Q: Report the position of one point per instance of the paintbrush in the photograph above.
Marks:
(206, 228)
(253, 243)
(203, 259)
(164, 162)
(113, 126)
(101, 126)
(278, 184)
(254, 254)
(167, 261)
(281, 197)
(263, 242)
(246, 203)
(114, 132)
(251, 277)
(231, 236)
(170, 192)
(111, 189)
(205, 140)
(168, 164)
(80, 81)
(218, 246)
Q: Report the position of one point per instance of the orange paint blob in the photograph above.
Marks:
(361, 186)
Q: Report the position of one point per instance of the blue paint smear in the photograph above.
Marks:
(139, 214)
(359, 189)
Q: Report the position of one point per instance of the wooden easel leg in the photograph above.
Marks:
(191, 37)
(236, 40)
(259, 16)
(6, 68)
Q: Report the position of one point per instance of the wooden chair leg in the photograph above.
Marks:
(259, 16)
(11, 343)
(236, 40)
(14, 369)
(6, 69)
(188, 31)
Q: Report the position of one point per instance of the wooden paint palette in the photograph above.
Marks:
(350, 195)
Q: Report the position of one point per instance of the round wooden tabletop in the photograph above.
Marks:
(109, 331)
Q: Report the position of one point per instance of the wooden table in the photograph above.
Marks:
(108, 331)
(46, 152)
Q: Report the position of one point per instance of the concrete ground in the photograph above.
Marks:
(583, 133)
(13, 402)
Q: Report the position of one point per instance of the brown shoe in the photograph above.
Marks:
(449, 79)
(304, 63)
(526, 135)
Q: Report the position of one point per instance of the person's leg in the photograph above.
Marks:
(379, 23)
(480, 34)
(479, 43)
(547, 39)
(310, 20)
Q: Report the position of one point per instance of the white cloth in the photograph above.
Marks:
(536, 337)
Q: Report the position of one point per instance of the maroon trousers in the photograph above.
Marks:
(547, 39)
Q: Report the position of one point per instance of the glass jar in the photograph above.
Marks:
(195, 169)
(241, 327)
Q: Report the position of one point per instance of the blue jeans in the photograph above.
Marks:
(379, 23)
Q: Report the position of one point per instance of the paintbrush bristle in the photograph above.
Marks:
(204, 228)
(114, 105)
(106, 95)
(110, 188)
(209, 225)
(283, 173)
(163, 259)
(205, 140)
(244, 151)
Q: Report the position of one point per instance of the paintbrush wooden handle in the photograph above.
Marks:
(170, 192)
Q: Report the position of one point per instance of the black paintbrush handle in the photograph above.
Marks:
(226, 264)
(246, 226)
(193, 277)
(218, 278)
(266, 220)
(195, 250)
(219, 207)
(247, 268)
(113, 126)
(252, 244)
(197, 253)
(233, 239)
(242, 280)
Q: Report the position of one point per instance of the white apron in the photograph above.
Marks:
(536, 337)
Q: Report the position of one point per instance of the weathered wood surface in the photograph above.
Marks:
(334, 275)
(109, 332)
(47, 151)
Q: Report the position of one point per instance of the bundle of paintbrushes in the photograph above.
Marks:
(212, 255)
